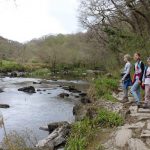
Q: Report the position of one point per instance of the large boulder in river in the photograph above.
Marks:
(4, 106)
(29, 89)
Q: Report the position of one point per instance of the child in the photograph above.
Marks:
(126, 78)
(137, 80)
(146, 82)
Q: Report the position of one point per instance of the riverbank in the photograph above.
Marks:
(96, 120)
(105, 124)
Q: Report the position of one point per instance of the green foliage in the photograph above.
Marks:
(109, 119)
(83, 131)
(104, 87)
(42, 73)
(80, 135)
(9, 66)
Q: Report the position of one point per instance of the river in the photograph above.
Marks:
(31, 111)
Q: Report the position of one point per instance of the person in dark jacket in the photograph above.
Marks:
(137, 79)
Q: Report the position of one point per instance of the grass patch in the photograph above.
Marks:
(107, 118)
(40, 73)
(83, 131)
(80, 135)
(102, 87)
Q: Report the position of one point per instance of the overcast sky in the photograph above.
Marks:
(27, 19)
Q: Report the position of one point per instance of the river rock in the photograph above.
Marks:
(29, 89)
(136, 144)
(83, 94)
(4, 106)
(44, 128)
(63, 95)
(38, 90)
(37, 83)
(55, 125)
(122, 137)
(1, 91)
(13, 74)
(71, 89)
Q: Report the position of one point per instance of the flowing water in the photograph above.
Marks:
(30, 111)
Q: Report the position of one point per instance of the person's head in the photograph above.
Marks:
(148, 61)
(127, 57)
(137, 56)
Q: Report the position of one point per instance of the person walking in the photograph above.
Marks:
(146, 83)
(137, 79)
(126, 77)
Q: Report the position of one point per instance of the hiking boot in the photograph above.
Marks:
(138, 104)
(124, 100)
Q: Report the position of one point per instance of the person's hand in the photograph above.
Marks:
(143, 84)
(140, 82)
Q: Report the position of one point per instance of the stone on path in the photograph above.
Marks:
(141, 110)
(145, 133)
(143, 118)
(139, 115)
(136, 144)
(148, 141)
(133, 109)
(148, 124)
(137, 125)
(122, 137)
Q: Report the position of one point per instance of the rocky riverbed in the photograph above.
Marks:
(34, 103)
